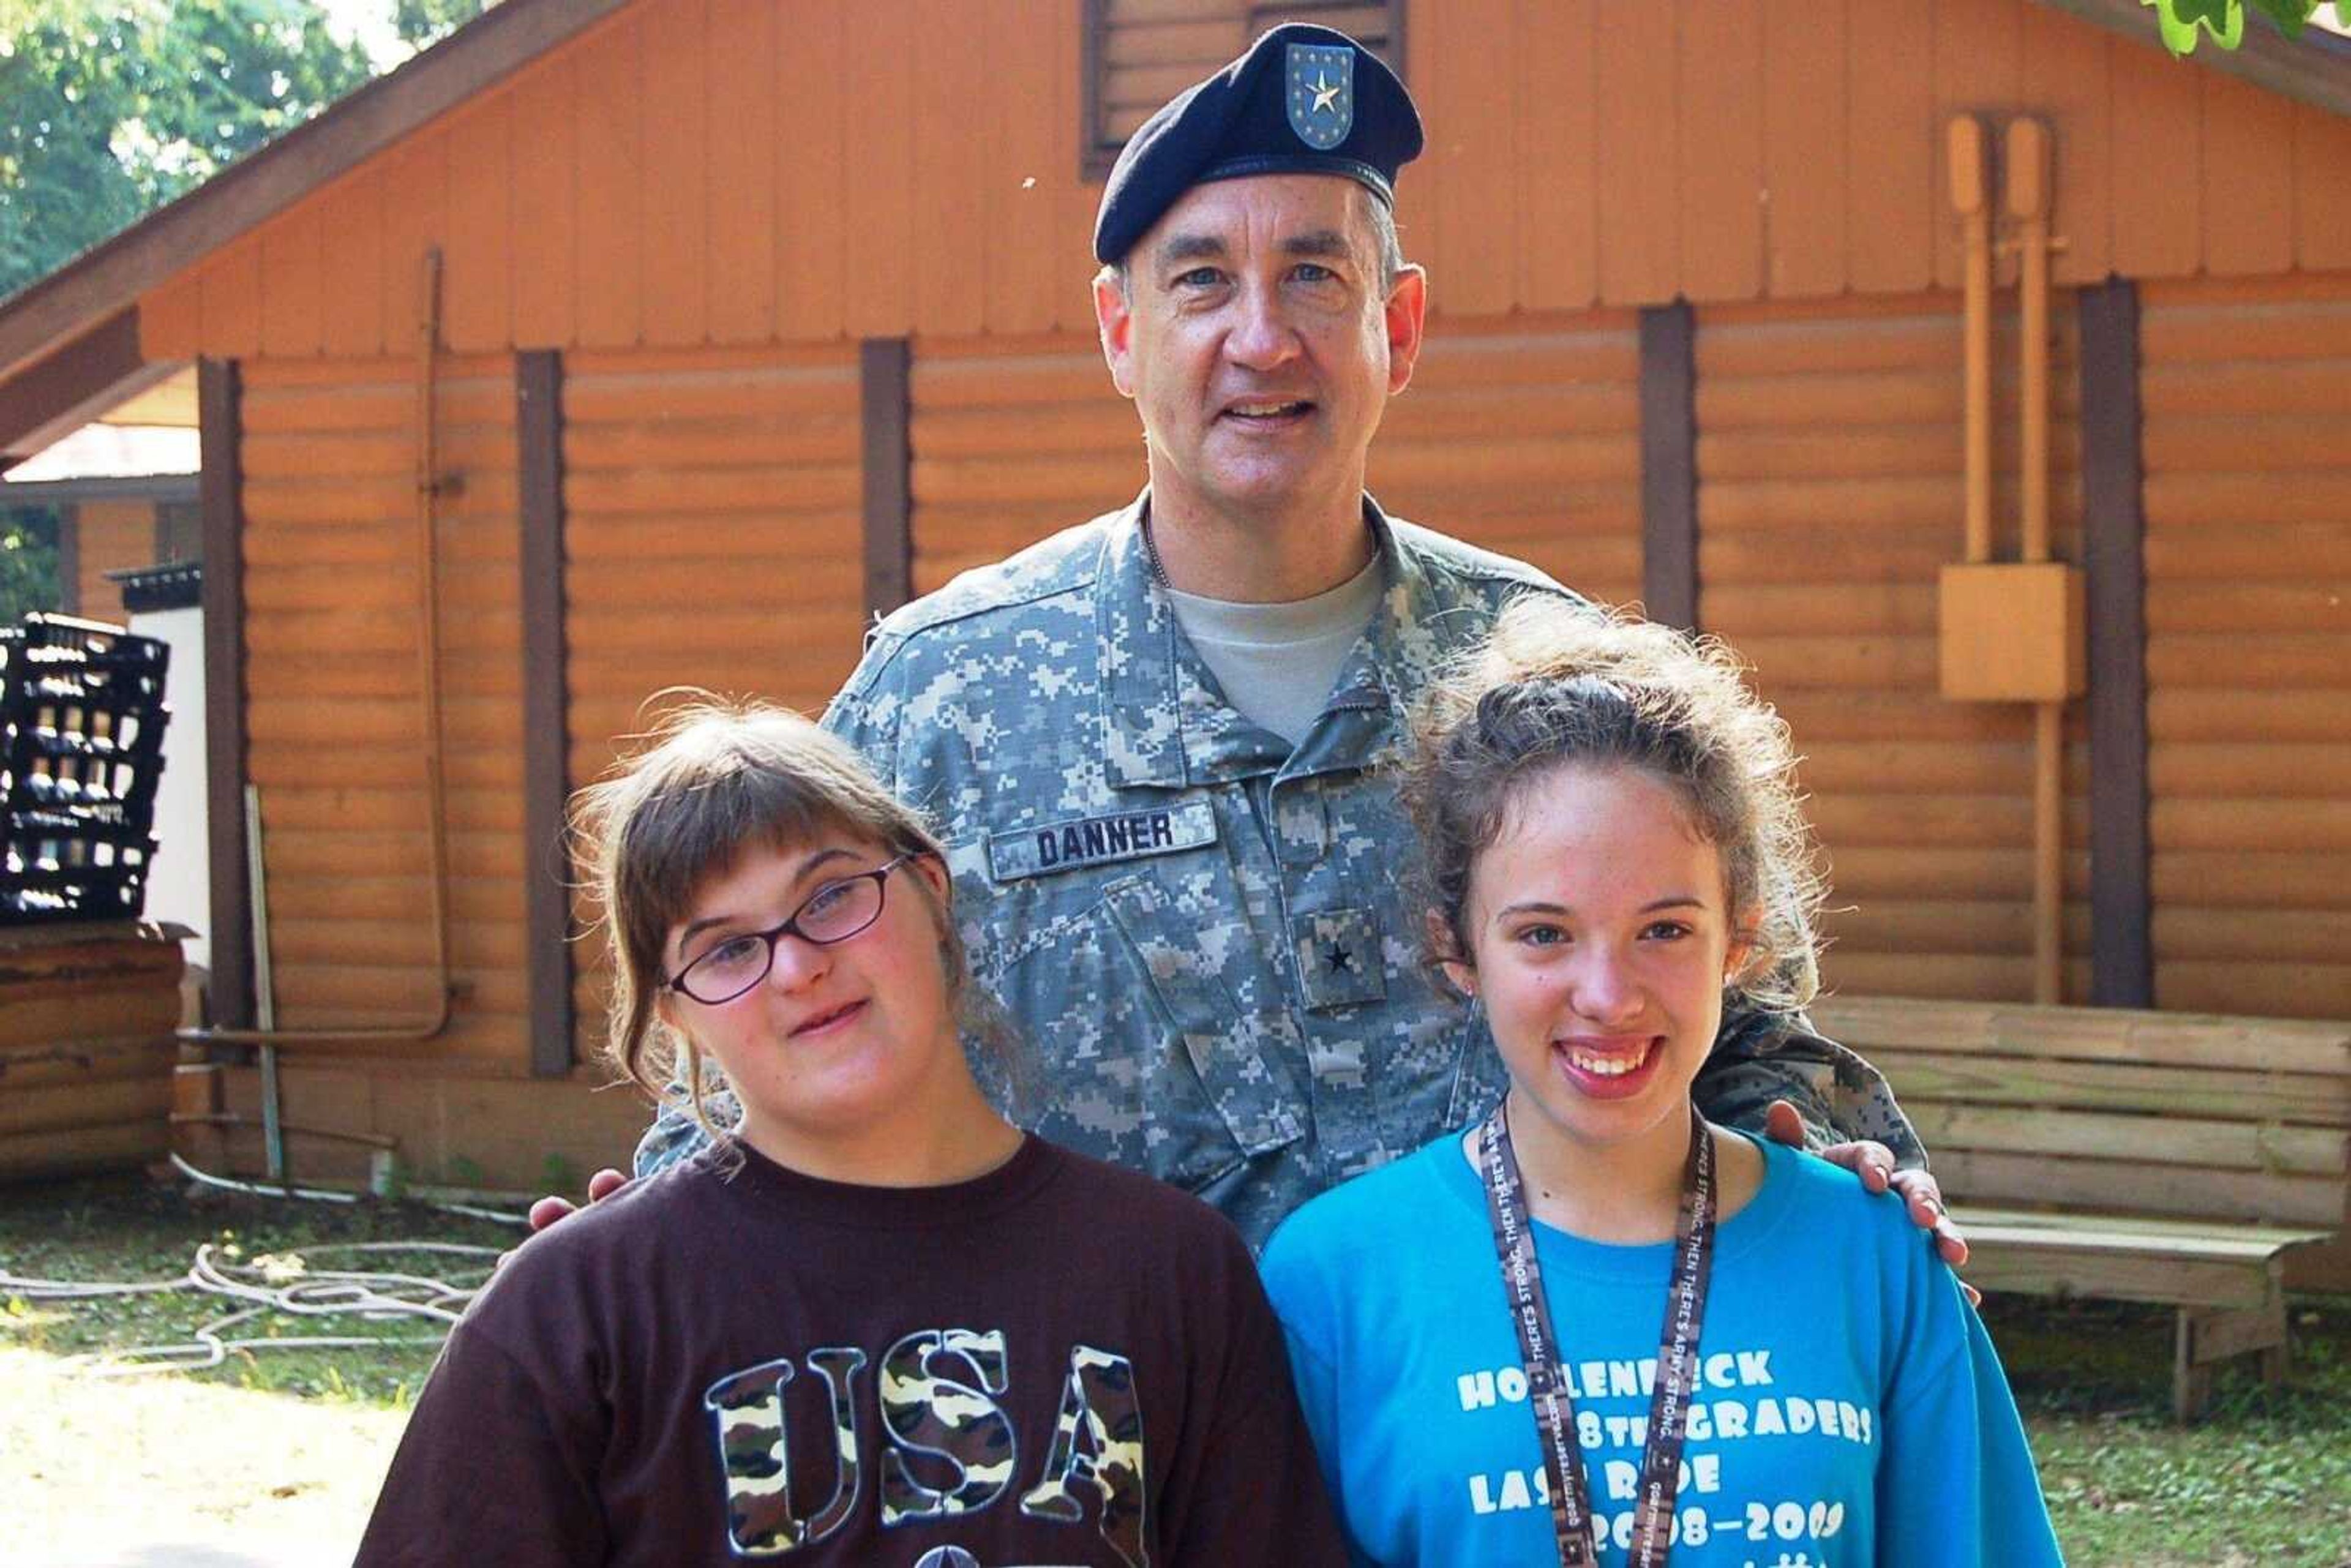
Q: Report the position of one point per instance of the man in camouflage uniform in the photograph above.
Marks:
(1195, 919)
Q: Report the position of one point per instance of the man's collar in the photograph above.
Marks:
(1139, 647)
(1134, 627)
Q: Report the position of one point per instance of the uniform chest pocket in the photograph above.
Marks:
(1146, 1056)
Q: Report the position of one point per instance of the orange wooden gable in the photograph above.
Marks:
(729, 171)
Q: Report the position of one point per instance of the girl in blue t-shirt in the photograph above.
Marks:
(1593, 1317)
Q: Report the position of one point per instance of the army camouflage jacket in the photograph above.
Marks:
(1198, 929)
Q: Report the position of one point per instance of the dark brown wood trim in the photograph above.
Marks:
(72, 386)
(883, 368)
(1094, 158)
(70, 559)
(546, 736)
(2122, 953)
(231, 936)
(1399, 52)
(113, 275)
(1669, 464)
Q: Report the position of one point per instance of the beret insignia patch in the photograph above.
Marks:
(1322, 96)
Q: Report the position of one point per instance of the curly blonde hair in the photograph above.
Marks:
(1558, 685)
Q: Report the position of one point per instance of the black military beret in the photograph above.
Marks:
(1302, 100)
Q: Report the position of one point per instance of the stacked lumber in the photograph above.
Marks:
(87, 1053)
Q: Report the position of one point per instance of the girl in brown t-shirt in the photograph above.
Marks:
(876, 1323)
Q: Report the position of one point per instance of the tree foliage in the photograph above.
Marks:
(2224, 20)
(28, 561)
(110, 108)
(424, 23)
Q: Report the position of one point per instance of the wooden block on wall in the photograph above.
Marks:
(2013, 633)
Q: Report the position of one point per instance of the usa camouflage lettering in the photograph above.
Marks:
(935, 1387)
(747, 1409)
(1239, 1012)
(1098, 1438)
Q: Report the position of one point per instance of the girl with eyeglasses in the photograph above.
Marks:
(875, 1324)
(1592, 1328)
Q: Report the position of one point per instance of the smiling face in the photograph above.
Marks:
(838, 1040)
(1259, 344)
(1601, 942)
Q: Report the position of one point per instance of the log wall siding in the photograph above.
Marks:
(2248, 501)
(1830, 490)
(1524, 436)
(1521, 436)
(112, 536)
(711, 539)
(631, 187)
(1012, 442)
(330, 633)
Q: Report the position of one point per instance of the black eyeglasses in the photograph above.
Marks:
(834, 913)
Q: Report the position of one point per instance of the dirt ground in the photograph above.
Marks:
(101, 1472)
(273, 1458)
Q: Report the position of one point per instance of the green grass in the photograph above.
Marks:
(127, 1228)
(2264, 1478)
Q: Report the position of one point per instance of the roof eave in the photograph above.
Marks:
(2314, 69)
(111, 276)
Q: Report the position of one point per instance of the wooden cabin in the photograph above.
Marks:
(124, 488)
(669, 340)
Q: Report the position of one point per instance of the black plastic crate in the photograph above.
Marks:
(81, 750)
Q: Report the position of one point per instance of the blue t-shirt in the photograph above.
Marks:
(1850, 1411)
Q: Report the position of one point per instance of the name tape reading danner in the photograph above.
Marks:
(1099, 841)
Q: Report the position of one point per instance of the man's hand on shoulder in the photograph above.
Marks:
(549, 1209)
(1873, 1162)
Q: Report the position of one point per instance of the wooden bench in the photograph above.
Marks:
(2143, 1156)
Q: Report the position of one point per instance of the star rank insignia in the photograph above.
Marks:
(1322, 97)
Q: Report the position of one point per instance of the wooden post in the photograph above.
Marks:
(2122, 951)
(1970, 197)
(546, 733)
(884, 365)
(221, 495)
(69, 557)
(1669, 585)
(2191, 1382)
(2026, 171)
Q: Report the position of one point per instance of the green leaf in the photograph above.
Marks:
(2289, 14)
(2178, 34)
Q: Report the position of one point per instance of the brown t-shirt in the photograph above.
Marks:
(1060, 1363)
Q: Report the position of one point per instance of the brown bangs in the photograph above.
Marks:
(716, 781)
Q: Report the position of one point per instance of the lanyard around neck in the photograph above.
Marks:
(1547, 1387)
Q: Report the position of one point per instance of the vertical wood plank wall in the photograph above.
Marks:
(711, 539)
(2248, 496)
(1716, 150)
(332, 639)
(1829, 492)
